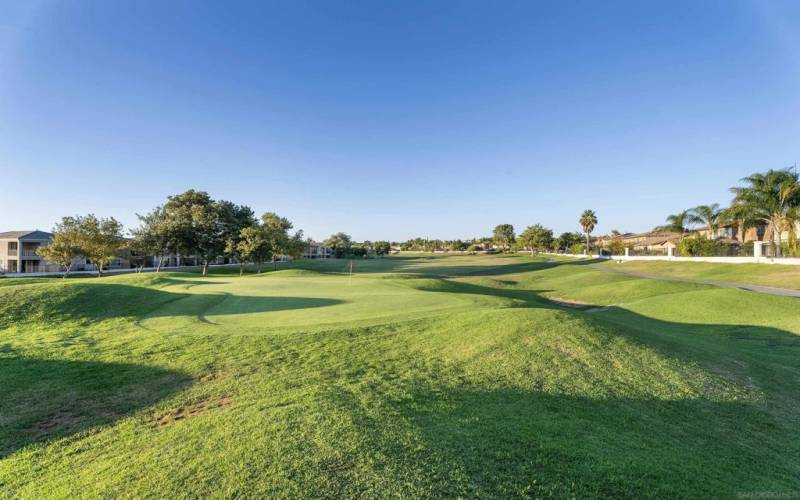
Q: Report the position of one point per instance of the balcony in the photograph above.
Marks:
(30, 253)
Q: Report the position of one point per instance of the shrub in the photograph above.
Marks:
(696, 246)
(576, 248)
(616, 247)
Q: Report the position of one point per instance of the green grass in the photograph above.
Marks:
(419, 376)
(774, 275)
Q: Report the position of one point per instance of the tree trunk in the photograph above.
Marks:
(205, 267)
(531, 250)
(587, 243)
(67, 269)
(160, 261)
(241, 269)
(777, 232)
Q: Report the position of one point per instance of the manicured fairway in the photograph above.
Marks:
(419, 376)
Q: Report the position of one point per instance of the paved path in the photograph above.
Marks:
(783, 292)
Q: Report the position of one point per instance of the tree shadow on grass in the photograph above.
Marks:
(44, 399)
(88, 302)
(423, 267)
(519, 437)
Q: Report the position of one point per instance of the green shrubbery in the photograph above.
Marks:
(576, 248)
(616, 247)
(696, 246)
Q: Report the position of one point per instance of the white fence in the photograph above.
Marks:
(757, 258)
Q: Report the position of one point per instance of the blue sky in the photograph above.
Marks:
(390, 120)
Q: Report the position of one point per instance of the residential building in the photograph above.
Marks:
(316, 250)
(18, 252)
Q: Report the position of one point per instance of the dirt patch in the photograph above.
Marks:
(570, 303)
(576, 304)
(211, 376)
(64, 420)
(56, 422)
(196, 409)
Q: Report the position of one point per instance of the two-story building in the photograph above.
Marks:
(18, 252)
(316, 250)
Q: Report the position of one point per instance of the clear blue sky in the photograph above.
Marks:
(390, 120)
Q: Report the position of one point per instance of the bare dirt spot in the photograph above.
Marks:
(211, 376)
(196, 409)
(63, 421)
(576, 304)
(55, 422)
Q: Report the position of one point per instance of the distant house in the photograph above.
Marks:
(650, 241)
(18, 254)
(316, 250)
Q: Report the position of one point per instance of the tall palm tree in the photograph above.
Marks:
(588, 221)
(773, 197)
(708, 215)
(677, 222)
(742, 216)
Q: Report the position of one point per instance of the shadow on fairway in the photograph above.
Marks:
(101, 301)
(491, 437)
(427, 266)
(42, 399)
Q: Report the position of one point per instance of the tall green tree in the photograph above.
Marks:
(276, 229)
(565, 241)
(772, 197)
(153, 236)
(382, 247)
(340, 243)
(254, 246)
(503, 236)
(707, 215)
(101, 240)
(65, 246)
(588, 221)
(536, 238)
(742, 217)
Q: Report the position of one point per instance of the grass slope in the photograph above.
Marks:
(420, 376)
(772, 275)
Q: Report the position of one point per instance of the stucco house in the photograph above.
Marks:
(18, 254)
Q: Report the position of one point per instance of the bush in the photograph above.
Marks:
(576, 248)
(696, 246)
(616, 247)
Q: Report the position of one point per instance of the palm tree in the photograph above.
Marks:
(677, 223)
(708, 215)
(773, 198)
(588, 221)
(741, 216)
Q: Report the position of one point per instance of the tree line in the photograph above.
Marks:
(770, 199)
(190, 224)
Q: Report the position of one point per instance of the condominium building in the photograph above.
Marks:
(18, 252)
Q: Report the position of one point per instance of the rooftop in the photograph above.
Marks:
(26, 235)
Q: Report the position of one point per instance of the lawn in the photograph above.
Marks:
(486, 376)
(773, 275)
